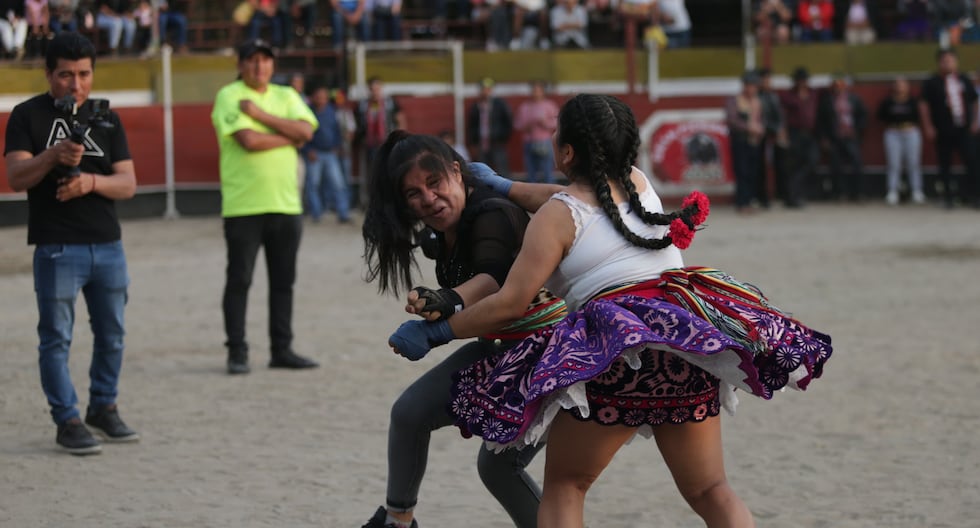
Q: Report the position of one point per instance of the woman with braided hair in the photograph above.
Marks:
(648, 346)
(473, 234)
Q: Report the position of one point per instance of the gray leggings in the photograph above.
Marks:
(421, 409)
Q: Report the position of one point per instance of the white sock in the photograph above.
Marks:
(391, 521)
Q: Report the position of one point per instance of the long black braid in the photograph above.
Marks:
(606, 141)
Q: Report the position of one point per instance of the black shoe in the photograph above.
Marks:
(291, 360)
(238, 366)
(107, 422)
(75, 438)
(379, 518)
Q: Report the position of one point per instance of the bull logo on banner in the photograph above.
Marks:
(686, 150)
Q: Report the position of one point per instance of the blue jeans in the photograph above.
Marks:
(177, 22)
(325, 181)
(539, 160)
(99, 271)
(118, 28)
(339, 26)
(260, 19)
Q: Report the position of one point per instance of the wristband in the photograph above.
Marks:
(445, 301)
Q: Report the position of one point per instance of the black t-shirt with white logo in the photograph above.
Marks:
(35, 125)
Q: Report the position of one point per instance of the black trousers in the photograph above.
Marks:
(958, 140)
(804, 156)
(279, 236)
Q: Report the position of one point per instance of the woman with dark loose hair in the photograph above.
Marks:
(423, 194)
(648, 347)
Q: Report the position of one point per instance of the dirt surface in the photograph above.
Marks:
(887, 438)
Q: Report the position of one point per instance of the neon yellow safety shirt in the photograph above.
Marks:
(264, 181)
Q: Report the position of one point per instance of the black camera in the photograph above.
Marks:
(98, 116)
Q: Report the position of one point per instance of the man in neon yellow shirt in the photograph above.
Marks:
(259, 127)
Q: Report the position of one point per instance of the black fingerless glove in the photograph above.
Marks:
(445, 301)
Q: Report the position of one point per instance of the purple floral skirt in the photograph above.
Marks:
(668, 351)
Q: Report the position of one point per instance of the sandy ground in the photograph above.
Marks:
(888, 438)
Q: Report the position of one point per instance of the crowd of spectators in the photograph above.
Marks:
(857, 22)
(124, 26)
(786, 134)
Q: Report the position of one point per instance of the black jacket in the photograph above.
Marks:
(501, 122)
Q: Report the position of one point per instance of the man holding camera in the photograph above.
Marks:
(70, 154)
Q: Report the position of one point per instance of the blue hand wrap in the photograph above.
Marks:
(483, 173)
(414, 339)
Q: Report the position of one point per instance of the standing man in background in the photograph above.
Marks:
(800, 111)
(537, 119)
(71, 192)
(259, 126)
(324, 176)
(489, 126)
(377, 116)
(948, 110)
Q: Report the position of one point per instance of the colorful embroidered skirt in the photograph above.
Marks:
(643, 355)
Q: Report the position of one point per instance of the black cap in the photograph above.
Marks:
(800, 73)
(253, 46)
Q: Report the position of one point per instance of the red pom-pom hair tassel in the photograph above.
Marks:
(700, 201)
(680, 234)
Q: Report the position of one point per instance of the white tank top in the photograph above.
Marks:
(601, 258)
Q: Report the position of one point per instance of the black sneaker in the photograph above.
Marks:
(291, 360)
(75, 438)
(108, 423)
(238, 366)
(380, 516)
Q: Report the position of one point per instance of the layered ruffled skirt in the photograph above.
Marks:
(670, 350)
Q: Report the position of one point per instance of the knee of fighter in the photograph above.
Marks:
(406, 412)
(704, 493)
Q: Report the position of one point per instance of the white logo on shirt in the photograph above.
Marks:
(60, 131)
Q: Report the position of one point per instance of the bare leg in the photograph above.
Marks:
(693, 453)
(576, 454)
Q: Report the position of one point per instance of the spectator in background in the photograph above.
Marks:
(676, 23)
(816, 20)
(859, 26)
(489, 126)
(914, 24)
(352, 13)
(743, 115)
(143, 15)
(537, 119)
(948, 110)
(387, 19)
(899, 113)
(449, 136)
(38, 19)
(569, 25)
(266, 13)
(493, 13)
(800, 111)
(348, 130)
(305, 12)
(841, 120)
(772, 153)
(63, 15)
(377, 116)
(323, 169)
(530, 24)
(173, 23)
(13, 28)
(115, 17)
(946, 17)
(772, 18)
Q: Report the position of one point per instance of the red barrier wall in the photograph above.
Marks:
(196, 149)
